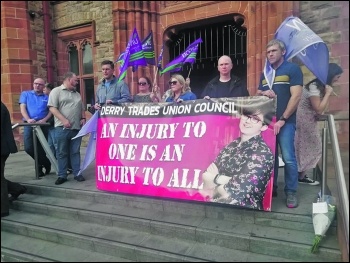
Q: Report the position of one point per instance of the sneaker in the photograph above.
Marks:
(69, 171)
(79, 178)
(292, 201)
(307, 180)
(60, 180)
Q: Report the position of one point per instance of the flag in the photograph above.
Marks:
(148, 49)
(303, 43)
(188, 56)
(89, 127)
(133, 55)
(160, 58)
(120, 59)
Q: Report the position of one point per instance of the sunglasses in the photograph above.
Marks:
(173, 82)
(142, 83)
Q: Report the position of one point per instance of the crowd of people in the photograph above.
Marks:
(297, 137)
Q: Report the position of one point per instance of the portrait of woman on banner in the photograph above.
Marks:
(240, 173)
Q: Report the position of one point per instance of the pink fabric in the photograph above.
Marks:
(175, 163)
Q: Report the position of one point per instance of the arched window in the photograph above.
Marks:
(75, 47)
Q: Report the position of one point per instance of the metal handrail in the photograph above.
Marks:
(37, 133)
(339, 172)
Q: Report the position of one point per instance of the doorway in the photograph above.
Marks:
(222, 36)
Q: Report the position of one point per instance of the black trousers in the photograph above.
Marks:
(7, 187)
(4, 192)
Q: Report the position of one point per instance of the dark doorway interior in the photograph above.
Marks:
(226, 37)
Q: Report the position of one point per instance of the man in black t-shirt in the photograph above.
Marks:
(225, 85)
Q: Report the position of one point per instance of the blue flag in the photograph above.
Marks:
(188, 56)
(303, 43)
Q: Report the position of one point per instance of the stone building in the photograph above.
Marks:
(47, 38)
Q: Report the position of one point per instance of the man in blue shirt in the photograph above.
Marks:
(287, 87)
(33, 106)
(109, 90)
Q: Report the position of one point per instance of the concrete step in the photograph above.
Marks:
(154, 207)
(20, 248)
(120, 243)
(249, 232)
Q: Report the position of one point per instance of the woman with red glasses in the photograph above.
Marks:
(145, 94)
(179, 91)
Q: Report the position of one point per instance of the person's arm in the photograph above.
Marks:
(46, 118)
(320, 105)
(155, 95)
(262, 91)
(97, 105)
(252, 182)
(292, 106)
(58, 115)
(125, 95)
(23, 108)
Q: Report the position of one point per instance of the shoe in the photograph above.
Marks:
(16, 195)
(307, 180)
(292, 201)
(274, 193)
(79, 178)
(5, 214)
(69, 171)
(60, 180)
(48, 169)
(41, 173)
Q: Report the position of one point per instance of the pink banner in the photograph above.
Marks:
(183, 150)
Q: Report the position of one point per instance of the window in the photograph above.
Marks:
(81, 63)
(74, 47)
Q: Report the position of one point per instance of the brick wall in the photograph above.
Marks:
(330, 20)
(16, 58)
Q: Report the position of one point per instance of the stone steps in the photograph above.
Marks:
(22, 248)
(149, 229)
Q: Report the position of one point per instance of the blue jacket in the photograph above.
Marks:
(118, 92)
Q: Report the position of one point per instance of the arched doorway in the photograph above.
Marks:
(221, 36)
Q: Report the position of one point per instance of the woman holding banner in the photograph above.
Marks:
(314, 101)
(145, 94)
(240, 173)
(179, 90)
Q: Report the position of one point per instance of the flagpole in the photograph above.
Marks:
(132, 81)
(155, 76)
(189, 72)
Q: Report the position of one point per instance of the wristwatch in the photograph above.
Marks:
(283, 118)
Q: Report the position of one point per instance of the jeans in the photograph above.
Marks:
(285, 139)
(29, 145)
(51, 140)
(67, 150)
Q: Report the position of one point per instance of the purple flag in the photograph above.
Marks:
(89, 127)
(188, 56)
(133, 55)
(148, 49)
(303, 43)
